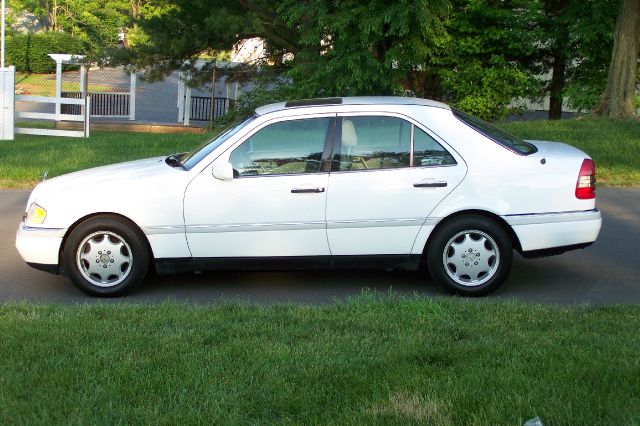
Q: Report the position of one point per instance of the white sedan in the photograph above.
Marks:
(378, 182)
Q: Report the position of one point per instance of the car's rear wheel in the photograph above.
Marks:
(106, 256)
(470, 255)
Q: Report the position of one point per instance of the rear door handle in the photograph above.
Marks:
(430, 184)
(306, 190)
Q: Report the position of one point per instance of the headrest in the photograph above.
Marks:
(349, 136)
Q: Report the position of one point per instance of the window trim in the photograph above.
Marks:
(412, 148)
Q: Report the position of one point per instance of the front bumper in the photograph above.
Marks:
(39, 246)
(546, 231)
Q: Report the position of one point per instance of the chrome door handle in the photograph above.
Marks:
(430, 184)
(306, 190)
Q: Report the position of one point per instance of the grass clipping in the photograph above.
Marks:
(404, 406)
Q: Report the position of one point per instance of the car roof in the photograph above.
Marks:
(352, 100)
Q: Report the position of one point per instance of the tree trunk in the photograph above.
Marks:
(557, 84)
(555, 12)
(618, 99)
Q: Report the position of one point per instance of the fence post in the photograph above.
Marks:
(187, 105)
(7, 103)
(180, 97)
(87, 115)
(83, 79)
(132, 97)
(212, 109)
(58, 84)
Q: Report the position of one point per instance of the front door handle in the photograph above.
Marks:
(430, 184)
(306, 190)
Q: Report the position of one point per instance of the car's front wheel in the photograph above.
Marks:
(470, 255)
(106, 256)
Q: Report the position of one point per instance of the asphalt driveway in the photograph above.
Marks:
(605, 273)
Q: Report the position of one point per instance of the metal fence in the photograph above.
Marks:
(112, 104)
(202, 107)
(117, 96)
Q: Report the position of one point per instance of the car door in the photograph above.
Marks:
(387, 174)
(275, 203)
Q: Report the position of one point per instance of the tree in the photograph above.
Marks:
(478, 55)
(555, 29)
(591, 25)
(484, 65)
(97, 23)
(373, 46)
(176, 33)
(618, 99)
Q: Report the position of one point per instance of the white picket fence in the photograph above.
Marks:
(58, 101)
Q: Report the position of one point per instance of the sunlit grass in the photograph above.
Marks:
(25, 159)
(45, 85)
(613, 144)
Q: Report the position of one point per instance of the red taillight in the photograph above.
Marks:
(586, 186)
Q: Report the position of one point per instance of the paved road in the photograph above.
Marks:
(607, 272)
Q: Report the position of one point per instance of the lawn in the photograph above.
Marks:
(45, 85)
(368, 360)
(613, 144)
(25, 159)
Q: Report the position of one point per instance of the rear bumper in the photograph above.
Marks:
(546, 231)
(39, 246)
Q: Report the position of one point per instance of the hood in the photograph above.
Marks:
(129, 172)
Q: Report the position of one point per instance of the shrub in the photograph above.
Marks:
(28, 52)
(486, 89)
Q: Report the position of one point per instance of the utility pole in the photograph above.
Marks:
(3, 31)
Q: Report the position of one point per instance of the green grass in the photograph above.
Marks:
(45, 85)
(369, 360)
(613, 144)
(24, 160)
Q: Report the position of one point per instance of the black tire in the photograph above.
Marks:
(470, 255)
(106, 256)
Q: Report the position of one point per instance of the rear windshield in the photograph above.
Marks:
(497, 135)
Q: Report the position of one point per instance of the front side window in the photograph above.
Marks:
(287, 147)
(379, 142)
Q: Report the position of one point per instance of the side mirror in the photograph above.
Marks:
(222, 171)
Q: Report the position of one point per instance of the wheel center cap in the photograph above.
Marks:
(471, 258)
(105, 259)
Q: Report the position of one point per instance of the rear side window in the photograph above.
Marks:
(375, 143)
(428, 152)
(497, 135)
(380, 142)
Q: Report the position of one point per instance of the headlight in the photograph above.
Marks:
(35, 215)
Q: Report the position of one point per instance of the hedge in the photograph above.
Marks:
(28, 52)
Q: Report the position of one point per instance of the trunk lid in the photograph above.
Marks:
(556, 150)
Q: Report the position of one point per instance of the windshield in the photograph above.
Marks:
(194, 157)
(497, 135)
